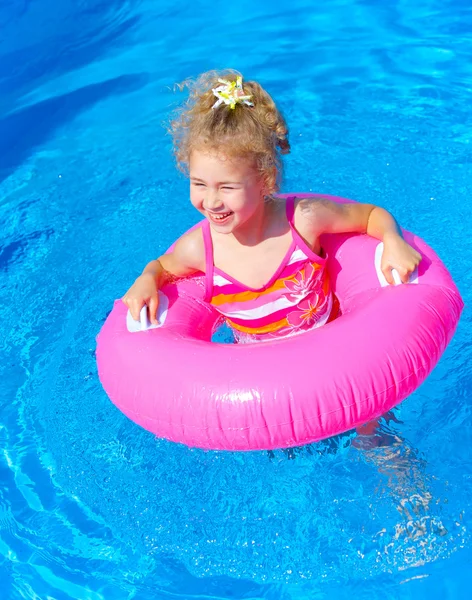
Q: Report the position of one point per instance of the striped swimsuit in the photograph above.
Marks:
(297, 298)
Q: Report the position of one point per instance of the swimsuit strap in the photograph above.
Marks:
(209, 266)
(290, 210)
(297, 238)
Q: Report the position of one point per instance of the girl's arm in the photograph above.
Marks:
(326, 216)
(186, 258)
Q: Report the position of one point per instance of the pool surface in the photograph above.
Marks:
(377, 97)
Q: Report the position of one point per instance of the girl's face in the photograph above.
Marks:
(227, 191)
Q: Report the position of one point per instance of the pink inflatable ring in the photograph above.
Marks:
(175, 382)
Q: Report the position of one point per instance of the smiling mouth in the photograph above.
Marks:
(220, 217)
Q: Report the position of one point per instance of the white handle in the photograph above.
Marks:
(396, 276)
(144, 323)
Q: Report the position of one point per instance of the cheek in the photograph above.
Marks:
(243, 201)
(196, 198)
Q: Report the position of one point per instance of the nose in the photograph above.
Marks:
(211, 201)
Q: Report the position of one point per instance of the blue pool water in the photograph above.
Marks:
(377, 96)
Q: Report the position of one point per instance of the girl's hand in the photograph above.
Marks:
(187, 257)
(143, 292)
(398, 255)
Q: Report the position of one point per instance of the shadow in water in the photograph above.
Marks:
(44, 41)
(21, 132)
(32, 63)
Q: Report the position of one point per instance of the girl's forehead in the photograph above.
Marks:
(209, 160)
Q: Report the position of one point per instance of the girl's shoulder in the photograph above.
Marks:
(190, 248)
(311, 206)
(310, 214)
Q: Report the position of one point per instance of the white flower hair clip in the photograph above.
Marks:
(231, 93)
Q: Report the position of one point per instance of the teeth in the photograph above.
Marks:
(220, 217)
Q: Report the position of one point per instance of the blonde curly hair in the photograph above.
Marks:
(258, 132)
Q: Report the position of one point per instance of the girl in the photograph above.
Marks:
(264, 265)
